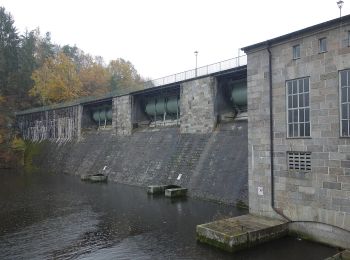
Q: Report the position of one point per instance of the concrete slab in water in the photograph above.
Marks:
(156, 189)
(344, 255)
(176, 192)
(241, 232)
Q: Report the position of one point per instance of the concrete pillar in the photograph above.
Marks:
(121, 115)
(114, 116)
(197, 105)
(79, 120)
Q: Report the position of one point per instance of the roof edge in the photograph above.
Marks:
(291, 35)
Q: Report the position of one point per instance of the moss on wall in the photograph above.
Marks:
(31, 150)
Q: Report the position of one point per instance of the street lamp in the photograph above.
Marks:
(196, 53)
(340, 4)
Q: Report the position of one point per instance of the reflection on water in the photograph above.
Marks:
(44, 216)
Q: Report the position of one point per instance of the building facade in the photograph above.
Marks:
(299, 101)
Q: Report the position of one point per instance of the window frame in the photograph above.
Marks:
(320, 41)
(344, 103)
(348, 38)
(298, 108)
(294, 52)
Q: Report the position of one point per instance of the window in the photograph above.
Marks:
(298, 107)
(322, 44)
(299, 161)
(345, 103)
(296, 51)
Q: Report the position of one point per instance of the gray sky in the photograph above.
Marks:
(160, 36)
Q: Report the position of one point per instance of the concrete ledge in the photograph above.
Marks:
(322, 233)
(156, 189)
(344, 255)
(241, 232)
(175, 192)
(160, 189)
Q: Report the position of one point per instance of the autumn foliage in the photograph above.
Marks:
(35, 72)
(56, 81)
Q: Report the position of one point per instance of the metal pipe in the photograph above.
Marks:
(271, 137)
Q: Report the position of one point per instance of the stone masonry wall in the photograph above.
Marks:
(322, 195)
(259, 134)
(212, 166)
(197, 105)
(121, 115)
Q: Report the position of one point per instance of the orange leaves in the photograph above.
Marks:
(56, 81)
(95, 79)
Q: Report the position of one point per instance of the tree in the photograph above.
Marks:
(27, 63)
(44, 47)
(9, 44)
(95, 80)
(124, 76)
(56, 81)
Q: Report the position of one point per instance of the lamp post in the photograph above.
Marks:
(196, 53)
(340, 4)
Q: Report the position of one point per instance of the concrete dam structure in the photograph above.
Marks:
(191, 129)
(191, 133)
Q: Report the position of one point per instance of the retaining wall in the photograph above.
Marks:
(212, 166)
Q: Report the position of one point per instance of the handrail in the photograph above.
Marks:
(198, 72)
(174, 78)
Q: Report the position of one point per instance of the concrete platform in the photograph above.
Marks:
(175, 192)
(344, 255)
(241, 232)
(159, 189)
(156, 189)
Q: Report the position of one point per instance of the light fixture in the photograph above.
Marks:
(340, 4)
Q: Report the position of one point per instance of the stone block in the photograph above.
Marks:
(241, 232)
(332, 185)
(175, 192)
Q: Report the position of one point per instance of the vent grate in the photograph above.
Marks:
(300, 161)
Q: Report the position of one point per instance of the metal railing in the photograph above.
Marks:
(198, 72)
(178, 77)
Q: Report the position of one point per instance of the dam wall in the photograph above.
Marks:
(212, 166)
(169, 135)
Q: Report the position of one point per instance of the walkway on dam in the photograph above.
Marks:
(214, 69)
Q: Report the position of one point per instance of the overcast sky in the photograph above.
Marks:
(160, 36)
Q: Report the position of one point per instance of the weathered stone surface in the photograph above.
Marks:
(156, 189)
(175, 192)
(213, 166)
(323, 194)
(121, 115)
(197, 105)
(241, 232)
(57, 125)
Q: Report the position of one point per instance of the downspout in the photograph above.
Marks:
(271, 137)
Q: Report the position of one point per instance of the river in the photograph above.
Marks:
(48, 216)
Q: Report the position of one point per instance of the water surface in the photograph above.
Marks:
(46, 216)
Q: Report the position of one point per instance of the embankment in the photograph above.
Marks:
(212, 166)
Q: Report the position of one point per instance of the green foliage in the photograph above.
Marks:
(18, 144)
(9, 43)
(31, 150)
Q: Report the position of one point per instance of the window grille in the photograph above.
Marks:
(299, 161)
(298, 107)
